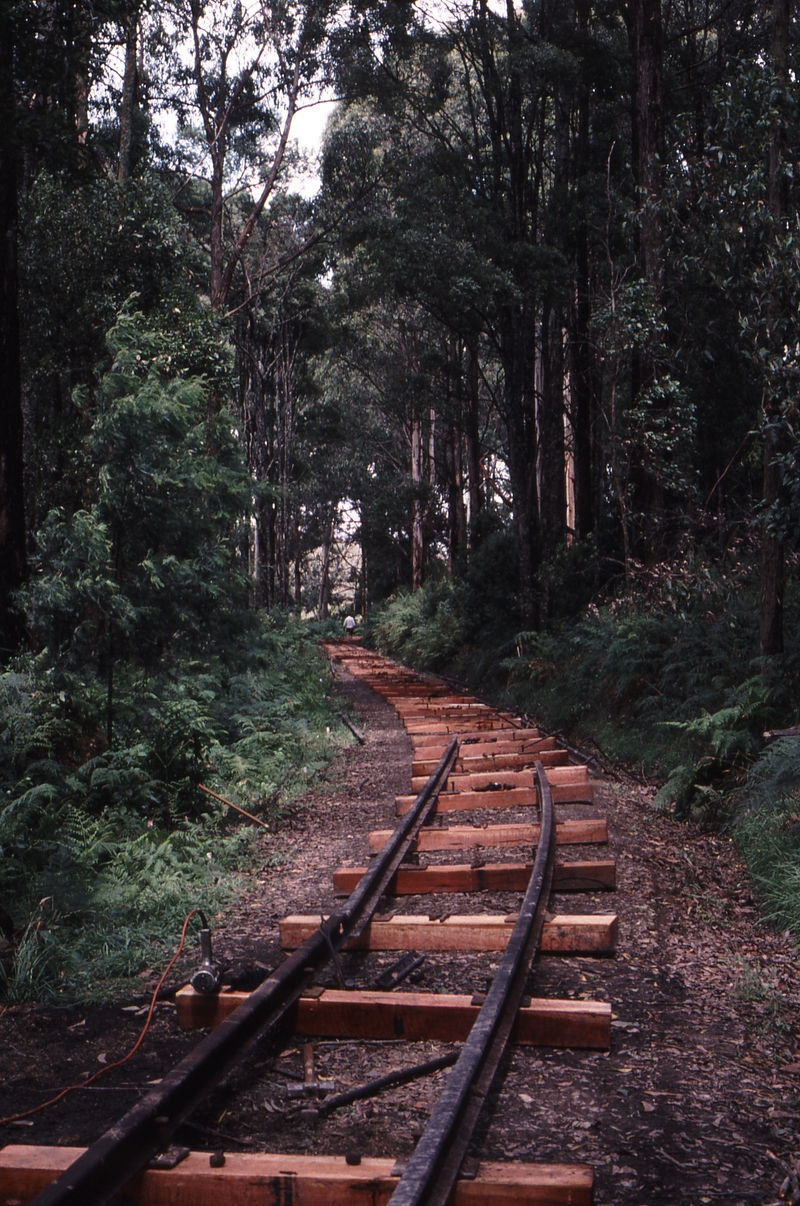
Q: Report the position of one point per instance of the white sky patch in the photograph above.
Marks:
(308, 129)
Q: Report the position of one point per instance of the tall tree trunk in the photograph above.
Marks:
(643, 19)
(772, 553)
(217, 242)
(266, 540)
(582, 418)
(284, 408)
(472, 432)
(552, 500)
(417, 531)
(323, 602)
(519, 390)
(128, 101)
(364, 582)
(457, 520)
(13, 561)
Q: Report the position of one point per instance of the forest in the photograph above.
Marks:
(507, 367)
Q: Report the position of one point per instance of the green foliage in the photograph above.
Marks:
(766, 828)
(733, 735)
(119, 842)
(150, 676)
(145, 561)
(421, 628)
(664, 677)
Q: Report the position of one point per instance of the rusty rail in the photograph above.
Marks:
(105, 1167)
(432, 1170)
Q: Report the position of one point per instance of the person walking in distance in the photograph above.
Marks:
(349, 627)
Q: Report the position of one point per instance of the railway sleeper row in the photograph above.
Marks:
(353, 1013)
(494, 768)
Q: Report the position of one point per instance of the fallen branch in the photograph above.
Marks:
(774, 734)
(359, 736)
(230, 804)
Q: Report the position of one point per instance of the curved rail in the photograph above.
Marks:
(431, 1173)
(105, 1167)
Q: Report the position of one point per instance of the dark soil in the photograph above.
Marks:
(696, 1102)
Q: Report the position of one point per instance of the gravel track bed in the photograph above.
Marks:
(697, 1101)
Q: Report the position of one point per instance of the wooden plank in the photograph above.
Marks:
(511, 733)
(557, 776)
(264, 1179)
(424, 728)
(505, 742)
(465, 766)
(512, 760)
(592, 831)
(415, 1016)
(483, 749)
(566, 933)
(484, 737)
(582, 876)
(517, 797)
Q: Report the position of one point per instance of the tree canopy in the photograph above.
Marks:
(524, 359)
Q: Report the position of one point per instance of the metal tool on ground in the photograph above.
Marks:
(312, 1085)
(207, 978)
(397, 973)
(230, 804)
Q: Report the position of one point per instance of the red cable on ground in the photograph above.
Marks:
(84, 1083)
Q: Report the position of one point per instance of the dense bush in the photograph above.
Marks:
(149, 675)
(766, 826)
(118, 842)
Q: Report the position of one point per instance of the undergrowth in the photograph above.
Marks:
(104, 849)
(149, 675)
(766, 826)
(665, 680)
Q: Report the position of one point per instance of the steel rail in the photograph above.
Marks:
(432, 1170)
(109, 1163)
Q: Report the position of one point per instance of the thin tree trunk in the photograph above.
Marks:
(772, 553)
(324, 581)
(581, 374)
(128, 97)
(298, 584)
(417, 533)
(13, 560)
(551, 434)
(472, 434)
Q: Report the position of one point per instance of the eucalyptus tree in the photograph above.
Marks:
(480, 139)
(242, 71)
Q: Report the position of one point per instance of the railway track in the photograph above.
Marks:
(516, 793)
